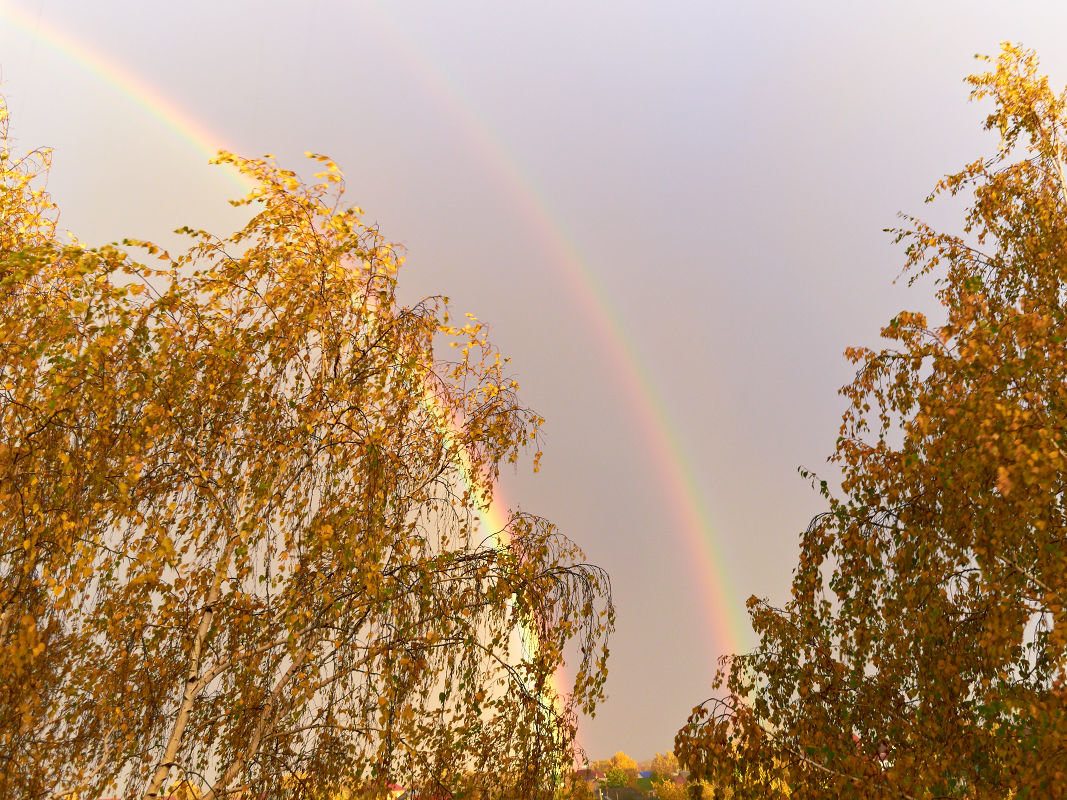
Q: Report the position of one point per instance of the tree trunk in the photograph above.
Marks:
(192, 680)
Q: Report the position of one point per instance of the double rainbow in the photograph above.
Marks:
(669, 463)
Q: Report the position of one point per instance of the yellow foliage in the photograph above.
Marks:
(622, 761)
(239, 542)
(665, 764)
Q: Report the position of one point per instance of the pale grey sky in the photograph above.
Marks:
(723, 170)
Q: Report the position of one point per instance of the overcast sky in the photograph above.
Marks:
(713, 176)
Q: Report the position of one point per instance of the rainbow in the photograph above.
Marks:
(178, 123)
(669, 463)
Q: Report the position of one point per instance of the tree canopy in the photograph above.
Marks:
(621, 763)
(664, 765)
(922, 651)
(240, 542)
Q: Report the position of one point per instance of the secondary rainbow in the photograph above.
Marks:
(670, 466)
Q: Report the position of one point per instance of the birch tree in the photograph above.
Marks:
(240, 543)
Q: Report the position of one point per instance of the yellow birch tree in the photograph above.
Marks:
(239, 544)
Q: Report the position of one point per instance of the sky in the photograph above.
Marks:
(670, 215)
